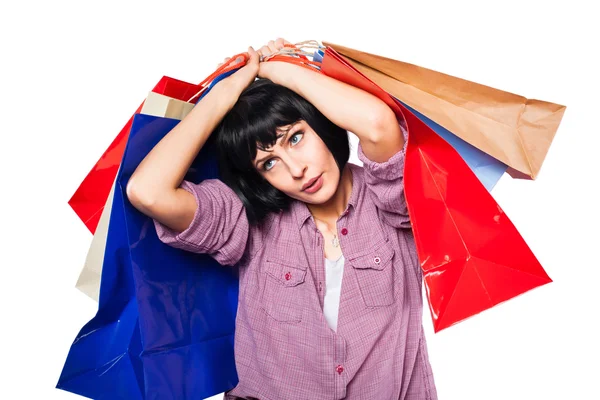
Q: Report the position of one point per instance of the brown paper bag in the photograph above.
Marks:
(513, 129)
(89, 279)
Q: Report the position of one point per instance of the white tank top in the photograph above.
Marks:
(334, 271)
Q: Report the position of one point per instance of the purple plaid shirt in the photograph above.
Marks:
(284, 348)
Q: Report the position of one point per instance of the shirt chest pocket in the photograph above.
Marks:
(284, 290)
(375, 275)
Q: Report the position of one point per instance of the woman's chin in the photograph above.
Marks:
(321, 196)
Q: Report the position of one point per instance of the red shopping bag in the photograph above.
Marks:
(91, 195)
(89, 199)
(471, 254)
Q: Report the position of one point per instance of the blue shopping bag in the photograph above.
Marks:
(487, 169)
(187, 302)
(165, 322)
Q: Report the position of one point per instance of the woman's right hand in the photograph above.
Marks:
(244, 76)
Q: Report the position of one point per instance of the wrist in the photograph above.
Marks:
(228, 91)
(274, 71)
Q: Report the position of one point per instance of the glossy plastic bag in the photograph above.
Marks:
(166, 317)
(471, 254)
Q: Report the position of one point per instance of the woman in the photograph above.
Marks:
(300, 223)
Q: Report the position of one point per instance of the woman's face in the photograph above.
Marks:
(295, 159)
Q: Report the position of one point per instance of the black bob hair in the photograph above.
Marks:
(261, 108)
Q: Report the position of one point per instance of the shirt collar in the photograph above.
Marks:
(301, 212)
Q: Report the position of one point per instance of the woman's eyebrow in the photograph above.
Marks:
(283, 137)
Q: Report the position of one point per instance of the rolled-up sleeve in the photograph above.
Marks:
(220, 226)
(385, 184)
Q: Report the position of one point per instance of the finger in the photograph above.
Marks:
(272, 47)
(265, 51)
(279, 43)
(284, 41)
(253, 56)
(249, 71)
(253, 53)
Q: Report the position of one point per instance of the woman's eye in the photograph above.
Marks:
(264, 166)
(294, 135)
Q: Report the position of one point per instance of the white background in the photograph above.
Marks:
(73, 72)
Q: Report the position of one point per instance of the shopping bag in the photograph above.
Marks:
(166, 317)
(471, 254)
(89, 279)
(149, 338)
(160, 105)
(513, 129)
(187, 302)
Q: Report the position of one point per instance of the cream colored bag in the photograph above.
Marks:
(89, 278)
(160, 105)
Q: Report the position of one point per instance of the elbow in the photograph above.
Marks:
(381, 121)
(137, 197)
(129, 190)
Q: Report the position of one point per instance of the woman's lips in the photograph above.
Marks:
(316, 185)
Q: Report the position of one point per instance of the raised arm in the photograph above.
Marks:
(154, 188)
(349, 107)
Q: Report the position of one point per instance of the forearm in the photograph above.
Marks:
(348, 107)
(163, 169)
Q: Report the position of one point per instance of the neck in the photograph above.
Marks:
(334, 207)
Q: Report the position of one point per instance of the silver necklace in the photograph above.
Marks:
(335, 242)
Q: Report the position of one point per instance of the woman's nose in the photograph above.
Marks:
(296, 167)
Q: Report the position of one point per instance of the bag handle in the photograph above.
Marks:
(221, 70)
(296, 54)
(291, 53)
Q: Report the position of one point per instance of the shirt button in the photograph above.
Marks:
(288, 276)
(339, 369)
(377, 260)
(344, 231)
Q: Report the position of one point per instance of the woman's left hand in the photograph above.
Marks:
(272, 47)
